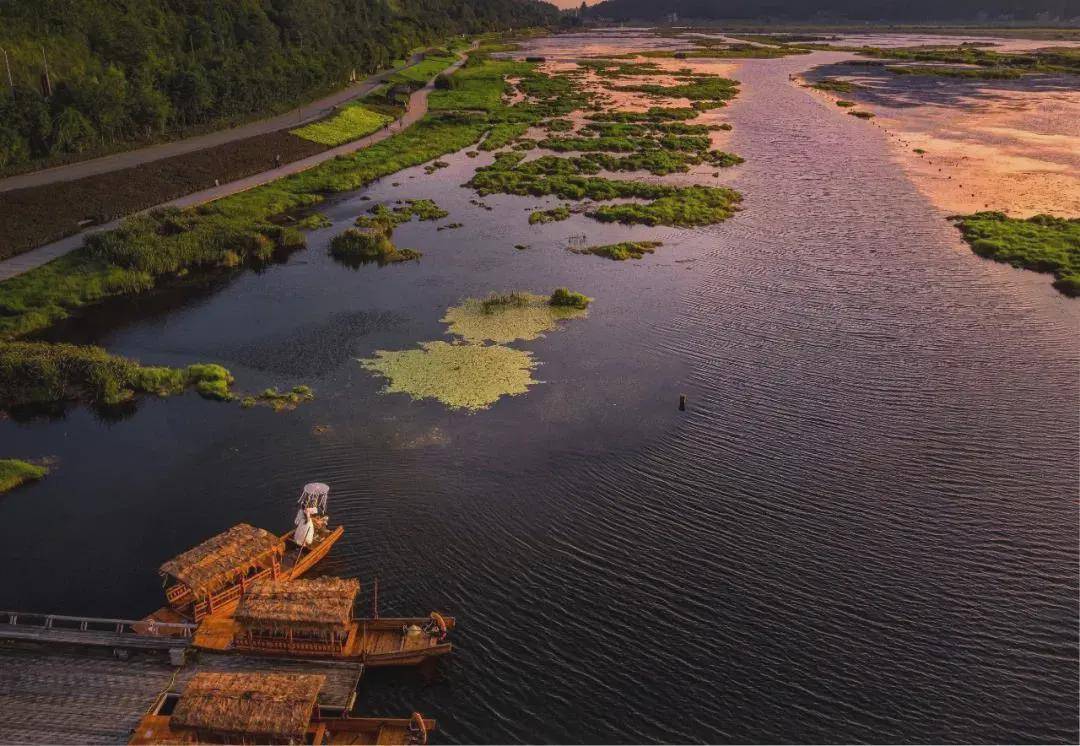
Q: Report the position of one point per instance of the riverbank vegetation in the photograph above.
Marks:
(14, 473)
(1042, 243)
(139, 71)
(152, 248)
(40, 374)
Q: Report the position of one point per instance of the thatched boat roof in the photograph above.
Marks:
(223, 558)
(268, 705)
(319, 601)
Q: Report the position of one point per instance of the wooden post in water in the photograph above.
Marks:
(682, 402)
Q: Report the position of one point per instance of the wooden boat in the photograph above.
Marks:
(210, 578)
(243, 708)
(314, 618)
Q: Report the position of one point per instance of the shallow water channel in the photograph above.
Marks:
(863, 528)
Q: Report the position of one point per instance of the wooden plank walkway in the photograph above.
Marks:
(93, 631)
(89, 697)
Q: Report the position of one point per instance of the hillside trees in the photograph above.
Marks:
(123, 72)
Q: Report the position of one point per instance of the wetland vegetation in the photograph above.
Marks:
(1042, 243)
(621, 251)
(14, 472)
(44, 375)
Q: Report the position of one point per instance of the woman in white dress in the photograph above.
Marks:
(305, 526)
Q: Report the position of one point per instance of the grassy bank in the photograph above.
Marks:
(39, 374)
(148, 250)
(1041, 243)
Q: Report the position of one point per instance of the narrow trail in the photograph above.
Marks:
(308, 112)
(417, 108)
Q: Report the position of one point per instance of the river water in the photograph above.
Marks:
(863, 528)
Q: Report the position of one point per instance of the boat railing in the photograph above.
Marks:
(291, 646)
(58, 622)
(229, 595)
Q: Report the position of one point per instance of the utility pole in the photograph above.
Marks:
(11, 83)
(47, 83)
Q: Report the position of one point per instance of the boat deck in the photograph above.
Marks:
(59, 697)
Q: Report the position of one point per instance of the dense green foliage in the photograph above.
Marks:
(1042, 243)
(622, 251)
(39, 373)
(357, 246)
(569, 299)
(14, 472)
(121, 72)
(351, 123)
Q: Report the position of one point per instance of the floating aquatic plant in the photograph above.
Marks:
(508, 317)
(461, 376)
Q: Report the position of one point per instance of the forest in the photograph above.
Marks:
(87, 76)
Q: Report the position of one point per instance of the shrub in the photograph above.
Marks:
(569, 299)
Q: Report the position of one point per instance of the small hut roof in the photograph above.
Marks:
(323, 601)
(218, 560)
(253, 704)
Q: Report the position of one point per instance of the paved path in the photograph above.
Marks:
(116, 161)
(34, 258)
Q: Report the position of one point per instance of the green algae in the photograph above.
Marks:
(506, 318)
(461, 376)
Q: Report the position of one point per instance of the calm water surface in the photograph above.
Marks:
(864, 528)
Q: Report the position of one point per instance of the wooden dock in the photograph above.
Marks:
(62, 694)
(127, 634)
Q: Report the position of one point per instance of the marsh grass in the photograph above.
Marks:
(14, 473)
(553, 215)
(1042, 243)
(280, 401)
(43, 374)
(371, 244)
(621, 251)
